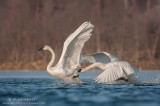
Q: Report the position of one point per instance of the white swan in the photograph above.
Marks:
(70, 58)
(115, 71)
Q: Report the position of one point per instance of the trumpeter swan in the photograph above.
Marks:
(114, 69)
(70, 57)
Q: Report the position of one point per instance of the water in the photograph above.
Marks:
(40, 89)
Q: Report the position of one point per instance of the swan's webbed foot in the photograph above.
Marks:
(74, 77)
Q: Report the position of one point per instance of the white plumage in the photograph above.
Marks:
(113, 68)
(102, 57)
(70, 58)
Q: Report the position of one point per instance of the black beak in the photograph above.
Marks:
(80, 70)
(40, 49)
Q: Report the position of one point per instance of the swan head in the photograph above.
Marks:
(46, 47)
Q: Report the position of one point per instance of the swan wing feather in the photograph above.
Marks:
(73, 45)
(114, 71)
(102, 57)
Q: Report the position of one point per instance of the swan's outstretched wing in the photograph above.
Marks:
(73, 45)
(102, 57)
(114, 71)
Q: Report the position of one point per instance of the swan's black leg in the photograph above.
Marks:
(122, 78)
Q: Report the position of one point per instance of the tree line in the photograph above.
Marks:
(128, 29)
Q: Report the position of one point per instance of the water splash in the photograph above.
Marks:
(71, 81)
(147, 76)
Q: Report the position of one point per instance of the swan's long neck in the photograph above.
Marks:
(98, 65)
(52, 60)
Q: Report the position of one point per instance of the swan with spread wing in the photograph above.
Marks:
(70, 57)
(114, 70)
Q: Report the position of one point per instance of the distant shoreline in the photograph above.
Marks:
(41, 66)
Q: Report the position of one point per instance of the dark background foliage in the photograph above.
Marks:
(128, 29)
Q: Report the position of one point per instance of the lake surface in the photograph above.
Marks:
(42, 89)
